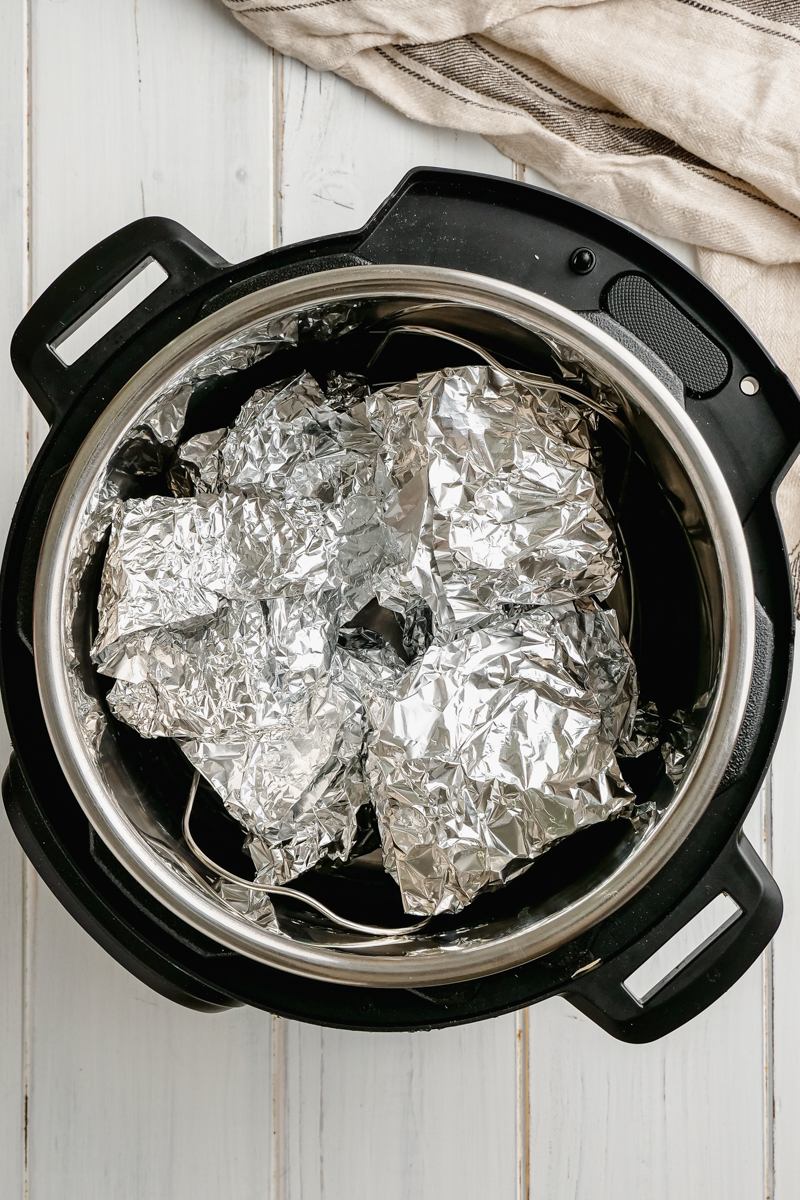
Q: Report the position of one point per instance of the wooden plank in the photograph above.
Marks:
(13, 296)
(133, 1096)
(786, 954)
(340, 151)
(142, 108)
(681, 1119)
(147, 109)
(686, 1118)
(401, 1116)
(127, 123)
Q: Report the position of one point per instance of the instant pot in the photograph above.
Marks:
(711, 425)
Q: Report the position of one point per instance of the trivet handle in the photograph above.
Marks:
(716, 965)
(85, 286)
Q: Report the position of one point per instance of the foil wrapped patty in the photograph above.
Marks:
(498, 499)
(468, 504)
(498, 744)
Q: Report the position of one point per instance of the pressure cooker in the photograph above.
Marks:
(712, 425)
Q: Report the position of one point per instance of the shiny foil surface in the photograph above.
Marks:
(498, 497)
(469, 505)
(498, 744)
(220, 613)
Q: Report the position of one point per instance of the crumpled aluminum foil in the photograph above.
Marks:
(281, 747)
(499, 498)
(295, 788)
(220, 611)
(143, 454)
(497, 745)
(468, 504)
(167, 412)
(645, 733)
(681, 734)
(232, 677)
(196, 470)
(300, 515)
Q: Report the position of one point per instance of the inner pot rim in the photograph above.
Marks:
(408, 965)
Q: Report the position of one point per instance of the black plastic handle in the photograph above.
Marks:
(85, 286)
(601, 994)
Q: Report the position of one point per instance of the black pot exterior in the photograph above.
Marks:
(588, 263)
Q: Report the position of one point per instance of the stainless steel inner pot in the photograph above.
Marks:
(143, 830)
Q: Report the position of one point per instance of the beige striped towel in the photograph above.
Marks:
(681, 116)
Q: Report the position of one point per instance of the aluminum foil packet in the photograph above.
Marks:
(498, 496)
(295, 787)
(299, 515)
(469, 505)
(497, 745)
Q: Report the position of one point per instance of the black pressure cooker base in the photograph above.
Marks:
(536, 240)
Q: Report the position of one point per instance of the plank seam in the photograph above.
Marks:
(277, 148)
(769, 1014)
(279, 1097)
(523, 1104)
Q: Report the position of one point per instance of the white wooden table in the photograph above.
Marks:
(110, 110)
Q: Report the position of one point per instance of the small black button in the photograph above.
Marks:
(582, 261)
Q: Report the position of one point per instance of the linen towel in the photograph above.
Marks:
(681, 116)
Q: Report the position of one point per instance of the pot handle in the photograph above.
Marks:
(701, 979)
(85, 287)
